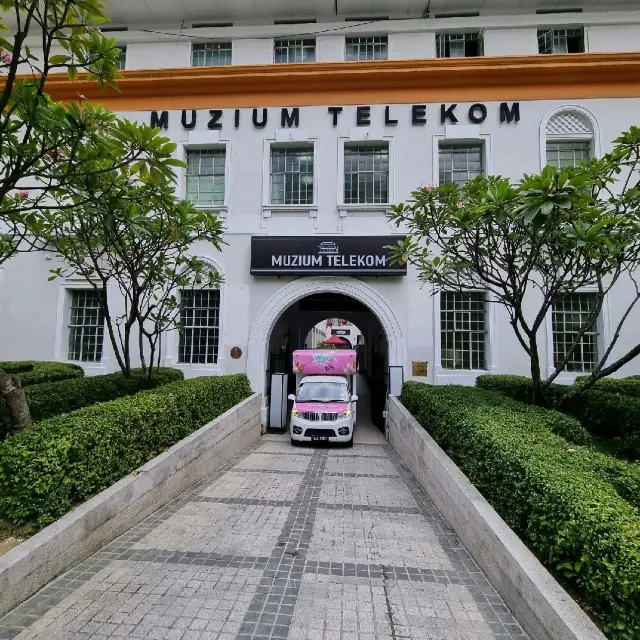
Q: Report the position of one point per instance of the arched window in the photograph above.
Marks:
(569, 136)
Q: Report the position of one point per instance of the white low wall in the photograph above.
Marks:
(30, 566)
(536, 599)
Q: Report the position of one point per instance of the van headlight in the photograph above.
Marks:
(294, 412)
(344, 414)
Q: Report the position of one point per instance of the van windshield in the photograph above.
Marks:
(323, 392)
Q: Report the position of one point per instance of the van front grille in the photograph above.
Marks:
(318, 416)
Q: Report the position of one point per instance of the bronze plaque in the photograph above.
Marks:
(420, 369)
(236, 353)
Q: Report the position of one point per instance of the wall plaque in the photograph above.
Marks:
(420, 369)
(235, 353)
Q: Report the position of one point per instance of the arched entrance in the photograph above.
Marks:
(260, 337)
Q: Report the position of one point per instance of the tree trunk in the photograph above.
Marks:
(13, 395)
(538, 391)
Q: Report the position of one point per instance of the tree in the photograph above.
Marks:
(533, 243)
(134, 236)
(45, 146)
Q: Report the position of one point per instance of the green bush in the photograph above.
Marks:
(63, 461)
(33, 372)
(603, 414)
(53, 398)
(625, 386)
(556, 496)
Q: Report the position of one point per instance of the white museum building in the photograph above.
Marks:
(301, 124)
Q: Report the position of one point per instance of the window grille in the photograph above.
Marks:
(459, 45)
(211, 54)
(463, 327)
(567, 153)
(290, 51)
(366, 174)
(86, 326)
(121, 60)
(569, 315)
(561, 41)
(205, 176)
(460, 163)
(199, 326)
(367, 48)
(292, 175)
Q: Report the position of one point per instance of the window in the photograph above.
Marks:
(199, 326)
(205, 176)
(567, 153)
(569, 139)
(463, 327)
(459, 45)
(292, 175)
(561, 41)
(121, 60)
(211, 54)
(289, 51)
(569, 316)
(366, 174)
(460, 163)
(367, 48)
(86, 326)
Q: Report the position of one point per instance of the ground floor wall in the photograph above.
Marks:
(34, 319)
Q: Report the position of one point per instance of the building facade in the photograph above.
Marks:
(300, 132)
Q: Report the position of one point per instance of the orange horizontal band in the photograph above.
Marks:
(482, 79)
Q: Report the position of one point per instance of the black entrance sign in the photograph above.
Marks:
(334, 255)
(340, 332)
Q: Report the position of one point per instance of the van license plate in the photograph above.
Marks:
(319, 438)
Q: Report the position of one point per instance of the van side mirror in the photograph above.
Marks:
(291, 396)
(354, 398)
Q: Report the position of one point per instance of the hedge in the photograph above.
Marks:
(33, 372)
(63, 461)
(603, 414)
(624, 386)
(550, 492)
(53, 398)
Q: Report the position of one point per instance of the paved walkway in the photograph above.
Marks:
(305, 543)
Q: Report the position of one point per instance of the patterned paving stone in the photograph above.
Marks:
(280, 543)
(274, 462)
(267, 486)
(345, 464)
(223, 528)
(389, 492)
(380, 538)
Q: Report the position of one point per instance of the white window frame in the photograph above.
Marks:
(123, 50)
(443, 138)
(569, 137)
(465, 376)
(367, 35)
(293, 38)
(603, 324)
(298, 138)
(191, 50)
(173, 338)
(61, 341)
(364, 140)
(194, 145)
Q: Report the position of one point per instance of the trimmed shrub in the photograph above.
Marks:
(552, 494)
(63, 461)
(33, 372)
(624, 387)
(53, 398)
(603, 414)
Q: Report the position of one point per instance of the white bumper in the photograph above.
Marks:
(309, 431)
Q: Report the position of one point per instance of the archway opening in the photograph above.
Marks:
(314, 318)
